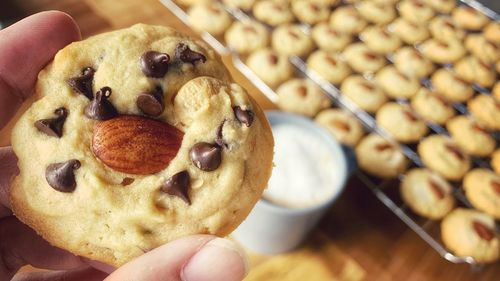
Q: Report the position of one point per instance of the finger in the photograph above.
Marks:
(194, 258)
(81, 274)
(8, 169)
(25, 48)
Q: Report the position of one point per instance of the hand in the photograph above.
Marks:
(25, 48)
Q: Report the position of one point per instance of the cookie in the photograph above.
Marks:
(443, 28)
(273, 12)
(361, 59)
(427, 193)
(442, 52)
(470, 233)
(410, 62)
(443, 156)
(245, 5)
(401, 122)
(210, 17)
(329, 39)
(364, 93)
(376, 13)
(396, 84)
(442, 6)
(492, 32)
(380, 157)
(482, 188)
(470, 136)
(271, 67)
(291, 40)
(410, 33)
(495, 161)
(379, 39)
(302, 96)
(310, 12)
(343, 125)
(348, 20)
(472, 70)
(432, 107)
(139, 148)
(451, 87)
(329, 66)
(415, 11)
(247, 36)
(469, 18)
(482, 49)
(486, 110)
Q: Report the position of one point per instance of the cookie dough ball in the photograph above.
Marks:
(450, 86)
(302, 96)
(210, 17)
(415, 11)
(442, 52)
(270, 66)
(310, 12)
(375, 12)
(245, 5)
(410, 33)
(380, 157)
(396, 84)
(401, 123)
(361, 59)
(472, 70)
(492, 32)
(469, 18)
(347, 19)
(443, 156)
(482, 49)
(380, 40)
(482, 188)
(444, 29)
(432, 107)
(292, 40)
(273, 12)
(329, 66)
(470, 136)
(364, 93)
(427, 193)
(247, 36)
(495, 161)
(329, 39)
(409, 61)
(470, 233)
(442, 6)
(343, 125)
(486, 111)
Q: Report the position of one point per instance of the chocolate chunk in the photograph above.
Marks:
(302, 90)
(154, 64)
(185, 54)
(455, 151)
(371, 55)
(151, 103)
(100, 108)
(61, 176)
(436, 188)
(244, 116)
(83, 83)
(206, 156)
(496, 186)
(53, 126)
(383, 146)
(127, 181)
(482, 230)
(219, 139)
(273, 59)
(177, 185)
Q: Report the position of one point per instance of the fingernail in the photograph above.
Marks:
(219, 259)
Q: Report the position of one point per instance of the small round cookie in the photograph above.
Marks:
(470, 233)
(159, 152)
(245, 5)
(273, 12)
(364, 93)
(380, 40)
(482, 188)
(495, 161)
(448, 85)
(380, 157)
(247, 36)
(291, 40)
(329, 66)
(396, 84)
(496, 91)
(302, 96)
(343, 125)
(210, 17)
(443, 28)
(271, 67)
(347, 19)
(401, 123)
(410, 33)
(442, 6)
(482, 49)
(328, 39)
(443, 156)
(375, 12)
(472, 70)
(486, 111)
(361, 59)
(432, 107)
(470, 136)
(427, 193)
(415, 11)
(469, 18)
(492, 32)
(442, 52)
(310, 12)
(409, 61)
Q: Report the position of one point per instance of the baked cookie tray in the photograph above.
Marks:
(386, 191)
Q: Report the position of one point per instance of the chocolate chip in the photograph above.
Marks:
(496, 186)
(455, 151)
(410, 116)
(100, 108)
(273, 59)
(151, 103)
(341, 125)
(331, 60)
(219, 139)
(82, 84)
(244, 116)
(370, 55)
(483, 231)
(249, 28)
(154, 64)
(61, 176)
(206, 156)
(177, 185)
(127, 181)
(302, 90)
(314, 7)
(383, 146)
(436, 188)
(185, 54)
(479, 129)
(53, 126)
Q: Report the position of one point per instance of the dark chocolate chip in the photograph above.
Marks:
(82, 84)
(483, 231)
(127, 181)
(206, 156)
(100, 108)
(244, 116)
(53, 126)
(436, 188)
(219, 139)
(185, 54)
(151, 103)
(154, 64)
(177, 185)
(61, 176)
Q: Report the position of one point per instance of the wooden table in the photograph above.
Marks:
(358, 224)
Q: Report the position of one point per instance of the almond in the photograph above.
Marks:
(135, 144)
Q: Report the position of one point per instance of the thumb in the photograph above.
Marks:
(194, 258)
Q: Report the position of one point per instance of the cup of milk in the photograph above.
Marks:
(310, 171)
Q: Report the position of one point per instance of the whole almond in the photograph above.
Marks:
(483, 231)
(135, 144)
